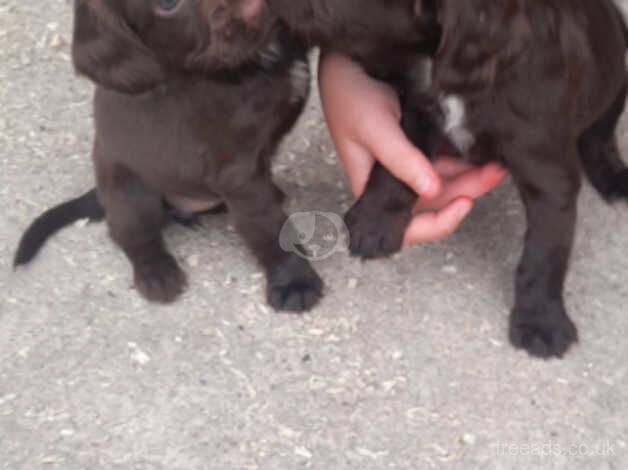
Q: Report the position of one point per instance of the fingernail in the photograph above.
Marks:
(425, 185)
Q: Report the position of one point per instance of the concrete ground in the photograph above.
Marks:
(405, 364)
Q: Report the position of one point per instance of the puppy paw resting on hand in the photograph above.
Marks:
(192, 98)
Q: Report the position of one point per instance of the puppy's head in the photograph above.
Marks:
(479, 38)
(132, 46)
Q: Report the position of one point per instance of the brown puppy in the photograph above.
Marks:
(192, 99)
(538, 86)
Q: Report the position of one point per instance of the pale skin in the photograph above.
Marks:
(363, 117)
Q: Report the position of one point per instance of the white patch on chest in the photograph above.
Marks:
(455, 122)
(300, 79)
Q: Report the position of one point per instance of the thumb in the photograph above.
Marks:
(390, 146)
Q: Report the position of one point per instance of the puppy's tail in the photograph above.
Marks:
(43, 227)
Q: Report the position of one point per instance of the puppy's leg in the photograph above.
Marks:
(549, 188)
(135, 216)
(255, 206)
(378, 220)
(600, 154)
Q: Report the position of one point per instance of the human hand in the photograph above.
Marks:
(363, 117)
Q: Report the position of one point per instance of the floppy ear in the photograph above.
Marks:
(106, 50)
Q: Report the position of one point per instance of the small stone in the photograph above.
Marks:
(51, 459)
(450, 269)
(468, 439)
(137, 355)
(193, 260)
(56, 42)
(140, 357)
(353, 283)
(286, 432)
(303, 452)
(24, 352)
(7, 398)
(371, 454)
(396, 383)
(67, 432)
(82, 223)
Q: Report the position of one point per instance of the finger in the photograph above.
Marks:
(431, 226)
(358, 163)
(389, 144)
(450, 166)
(471, 184)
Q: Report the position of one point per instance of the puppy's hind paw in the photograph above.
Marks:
(160, 280)
(543, 336)
(294, 287)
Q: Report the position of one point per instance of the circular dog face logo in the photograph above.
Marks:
(313, 235)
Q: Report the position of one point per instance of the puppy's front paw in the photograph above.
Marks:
(545, 334)
(294, 286)
(376, 234)
(160, 279)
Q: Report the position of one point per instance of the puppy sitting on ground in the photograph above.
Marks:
(538, 86)
(192, 99)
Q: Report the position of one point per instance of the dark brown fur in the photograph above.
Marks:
(191, 105)
(544, 84)
(384, 35)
